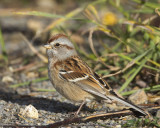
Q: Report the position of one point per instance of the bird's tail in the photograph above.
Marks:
(127, 104)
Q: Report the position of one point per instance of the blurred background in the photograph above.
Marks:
(119, 39)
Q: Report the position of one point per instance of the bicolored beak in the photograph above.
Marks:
(47, 46)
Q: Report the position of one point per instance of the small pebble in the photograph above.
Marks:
(30, 111)
(2, 102)
(139, 97)
(118, 126)
(158, 114)
(99, 121)
(7, 79)
(141, 83)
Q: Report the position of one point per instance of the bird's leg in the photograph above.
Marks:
(79, 109)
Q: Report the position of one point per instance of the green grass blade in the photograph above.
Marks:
(133, 76)
(4, 52)
(37, 13)
(44, 90)
(26, 83)
(49, 15)
(153, 88)
(137, 59)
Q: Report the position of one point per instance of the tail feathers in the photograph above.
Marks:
(127, 103)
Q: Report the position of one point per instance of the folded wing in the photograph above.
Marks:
(91, 84)
(85, 81)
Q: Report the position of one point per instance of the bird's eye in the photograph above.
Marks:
(57, 44)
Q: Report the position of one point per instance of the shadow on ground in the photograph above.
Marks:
(41, 103)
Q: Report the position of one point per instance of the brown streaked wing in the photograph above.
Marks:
(107, 86)
(77, 71)
(75, 63)
(72, 76)
(85, 81)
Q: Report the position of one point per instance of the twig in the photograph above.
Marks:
(97, 116)
(65, 122)
(157, 11)
(63, 19)
(150, 19)
(24, 67)
(153, 88)
(130, 64)
(93, 49)
(43, 58)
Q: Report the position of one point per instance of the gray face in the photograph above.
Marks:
(61, 49)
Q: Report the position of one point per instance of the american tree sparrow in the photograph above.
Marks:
(73, 78)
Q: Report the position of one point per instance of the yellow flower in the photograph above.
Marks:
(109, 18)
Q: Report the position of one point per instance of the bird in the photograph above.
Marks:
(74, 79)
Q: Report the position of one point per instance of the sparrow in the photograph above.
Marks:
(74, 79)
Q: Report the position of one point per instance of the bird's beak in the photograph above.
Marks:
(47, 46)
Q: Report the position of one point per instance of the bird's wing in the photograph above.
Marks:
(82, 76)
(85, 81)
(92, 85)
(77, 71)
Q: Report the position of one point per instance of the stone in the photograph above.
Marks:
(30, 111)
(7, 79)
(158, 114)
(139, 97)
(141, 83)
